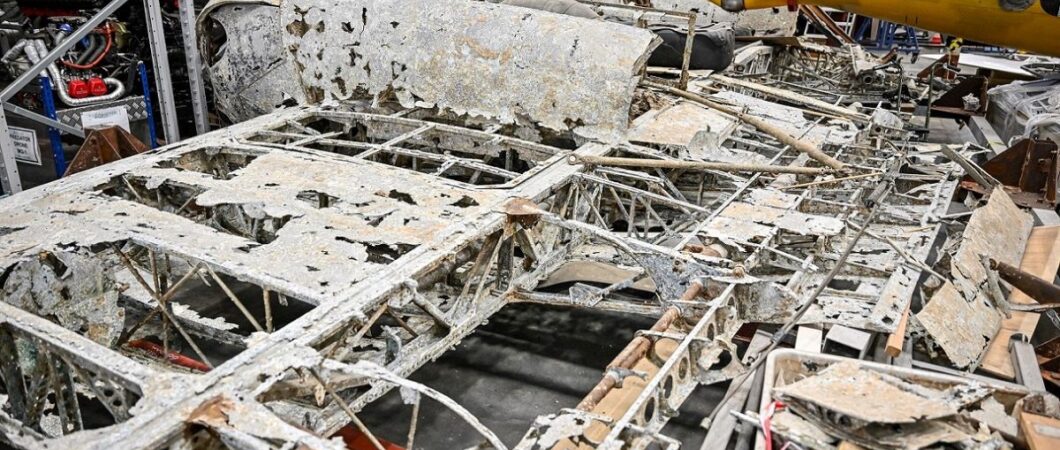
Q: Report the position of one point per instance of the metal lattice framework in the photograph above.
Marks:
(342, 251)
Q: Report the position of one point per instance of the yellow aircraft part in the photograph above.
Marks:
(1032, 29)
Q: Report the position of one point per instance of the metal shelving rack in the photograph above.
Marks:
(138, 107)
(10, 182)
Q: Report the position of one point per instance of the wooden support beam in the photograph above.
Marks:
(896, 340)
(1042, 258)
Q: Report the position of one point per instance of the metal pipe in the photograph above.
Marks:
(635, 350)
(92, 51)
(762, 125)
(60, 50)
(195, 72)
(702, 165)
(14, 52)
(163, 84)
(784, 94)
(44, 120)
(118, 89)
(171, 356)
(1037, 288)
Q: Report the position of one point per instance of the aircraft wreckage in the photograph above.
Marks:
(266, 284)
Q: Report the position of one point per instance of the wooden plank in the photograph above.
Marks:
(896, 340)
(1042, 258)
(1041, 432)
(618, 401)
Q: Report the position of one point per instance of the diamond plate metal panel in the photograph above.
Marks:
(135, 105)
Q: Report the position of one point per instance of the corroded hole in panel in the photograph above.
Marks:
(204, 307)
(92, 291)
(179, 199)
(318, 199)
(380, 253)
(219, 164)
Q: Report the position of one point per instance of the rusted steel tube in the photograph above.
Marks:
(447, 266)
(702, 165)
(172, 357)
(1041, 290)
(776, 132)
(635, 350)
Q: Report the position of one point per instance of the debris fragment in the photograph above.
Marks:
(496, 61)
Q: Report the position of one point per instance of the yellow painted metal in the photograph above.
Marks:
(1032, 29)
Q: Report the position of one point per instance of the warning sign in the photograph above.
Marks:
(26, 149)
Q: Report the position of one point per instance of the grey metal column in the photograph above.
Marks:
(15, 109)
(191, 53)
(9, 179)
(163, 81)
(43, 120)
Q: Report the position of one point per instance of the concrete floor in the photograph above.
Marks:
(946, 131)
(527, 362)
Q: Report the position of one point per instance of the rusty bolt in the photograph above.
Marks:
(522, 211)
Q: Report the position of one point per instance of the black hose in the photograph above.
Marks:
(132, 80)
(99, 45)
(87, 51)
(87, 54)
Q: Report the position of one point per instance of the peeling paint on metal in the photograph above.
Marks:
(472, 58)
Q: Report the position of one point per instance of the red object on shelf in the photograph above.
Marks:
(355, 440)
(97, 86)
(30, 11)
(78, 88)
(173, 357)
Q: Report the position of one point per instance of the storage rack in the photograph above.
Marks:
(10, 182)
(138, 106)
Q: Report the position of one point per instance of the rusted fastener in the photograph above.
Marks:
(523, 211)
(739, 271)
(712, 250)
